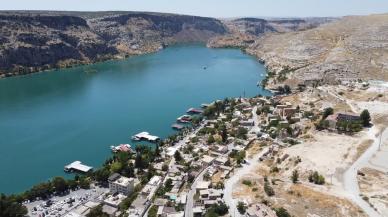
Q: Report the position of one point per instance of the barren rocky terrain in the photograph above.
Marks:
(351, 48)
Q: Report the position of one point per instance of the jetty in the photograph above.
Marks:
(184, 119)
(121, 148)
(204, 105)
(145, 136)
(177, 127)
(77, 166)
(194, 111)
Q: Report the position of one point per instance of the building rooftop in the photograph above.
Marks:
(207, 159)
(203, 185)
(113, 177)
(122, 180)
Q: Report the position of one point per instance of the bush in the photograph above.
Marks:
(268, 189)
(281, 212)
(295, 176)
(241, 207)
(316, 178)
(327, 112)
(365, 118)
(247, 182)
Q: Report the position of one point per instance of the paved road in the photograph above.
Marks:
(190, 195)
(350, 176)
(240, 172)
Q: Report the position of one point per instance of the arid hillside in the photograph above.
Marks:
(354, 47)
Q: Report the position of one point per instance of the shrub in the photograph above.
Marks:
(268, 189)
(247, 182)
(316, 178)
(295, 176)
(281, 212)
(241, 207)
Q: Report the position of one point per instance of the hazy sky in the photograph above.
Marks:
(213, 8)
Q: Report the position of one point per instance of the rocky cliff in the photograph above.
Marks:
(32, 41)
(244, 31)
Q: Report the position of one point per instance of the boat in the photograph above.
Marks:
(194, 111)
(204, 105)
(184, 119)
(177, 127)
(121, 148)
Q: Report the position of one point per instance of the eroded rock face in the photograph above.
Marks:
(244, 31)
(33, 41)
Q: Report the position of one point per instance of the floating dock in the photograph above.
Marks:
(177, 127)
(77, 166)
(145, 136)
(121, 148)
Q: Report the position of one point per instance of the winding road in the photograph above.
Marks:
(350, 176)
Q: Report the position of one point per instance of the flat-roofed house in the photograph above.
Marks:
(120, 184)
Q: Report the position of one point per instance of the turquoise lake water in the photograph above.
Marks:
(50, 119)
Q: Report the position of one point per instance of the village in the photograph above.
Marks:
(200, 171)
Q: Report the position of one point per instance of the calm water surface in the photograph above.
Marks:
(50, 119)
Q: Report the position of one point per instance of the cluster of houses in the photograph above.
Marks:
(197, 183)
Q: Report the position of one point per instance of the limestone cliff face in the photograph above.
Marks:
(34, 41)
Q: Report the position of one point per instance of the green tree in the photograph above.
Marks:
(241, 207)
(116, 167)
(10, 208)
(59, 184)
(168, 185)
(210, 139)
(178, 156)
(287, 89)
(97, 212)
(326, 112)
(365, 118)
(224, 134)
(218, 209)
(295, 176)
(316, 178)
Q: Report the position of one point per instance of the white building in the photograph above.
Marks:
(120, 184)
